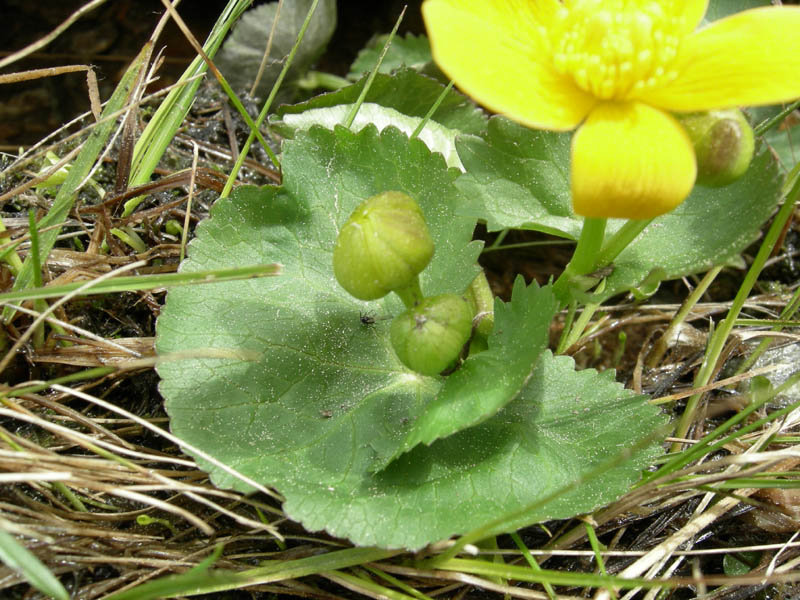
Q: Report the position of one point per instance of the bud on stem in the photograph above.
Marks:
(429, 337)
(382, 247)
(723, 143)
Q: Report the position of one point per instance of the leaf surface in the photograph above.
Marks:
(518, 178)
(322, 400)
(412, 51)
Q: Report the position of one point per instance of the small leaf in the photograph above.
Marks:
(411, 51)
(488, 381)
(740, 563)
(407, 92)
(241, 55)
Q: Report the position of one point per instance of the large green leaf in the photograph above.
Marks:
(518, 178)
(322, 401)
(321, 368)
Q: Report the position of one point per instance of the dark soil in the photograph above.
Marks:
(109, 37)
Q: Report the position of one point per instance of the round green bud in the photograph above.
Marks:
(382, 247)
(723, 143)
(430, 337)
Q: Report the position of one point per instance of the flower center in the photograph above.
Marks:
(616, 48)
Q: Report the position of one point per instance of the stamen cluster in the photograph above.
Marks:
(613, 50)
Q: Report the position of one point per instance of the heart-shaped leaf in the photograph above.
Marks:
(286, 379)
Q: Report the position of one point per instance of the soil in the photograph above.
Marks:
(110, 36)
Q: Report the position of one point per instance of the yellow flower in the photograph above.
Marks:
(616, 69)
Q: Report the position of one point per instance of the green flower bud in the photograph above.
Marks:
(430, 337)
(723, 142)
(382, 247)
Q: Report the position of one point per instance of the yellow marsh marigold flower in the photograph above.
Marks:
(616, 69)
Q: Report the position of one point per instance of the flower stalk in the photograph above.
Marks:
(584, 261)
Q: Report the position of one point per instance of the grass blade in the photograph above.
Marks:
(170, 115)
(134, 283)
(19, 558)
(65, 198)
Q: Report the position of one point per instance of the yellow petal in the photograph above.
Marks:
(630, 161)
(750, 58)
(498, 53)
(692, 12)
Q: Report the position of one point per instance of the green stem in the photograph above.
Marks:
(591, 240)
(411, 295)
(499, 240)
(577, 330)
(584, 260)
(39, 305)
(69, 495)
(317, 79)
(431, 110)
(532, 563)
(569, 319)
(764, 127)
(348, 121)
(620, 240)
